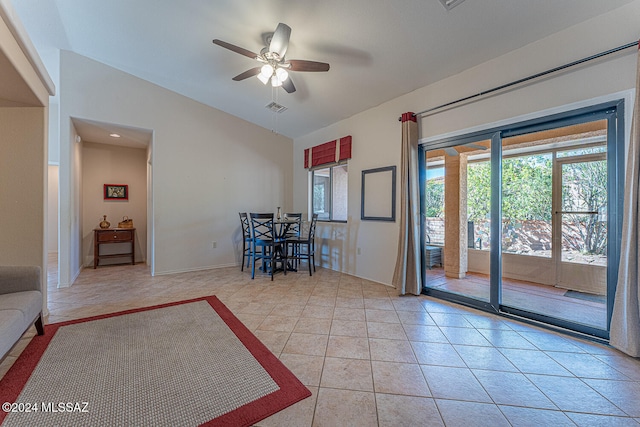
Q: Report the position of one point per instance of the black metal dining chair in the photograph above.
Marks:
(266, 246)
(294, 227)
(246, 239)
(303, 248)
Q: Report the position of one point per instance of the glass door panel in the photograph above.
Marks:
(527, 265)
(433, 220)
(582, 264)
(456, 224)
(554, 193)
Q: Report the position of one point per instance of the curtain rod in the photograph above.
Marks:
(526, 79)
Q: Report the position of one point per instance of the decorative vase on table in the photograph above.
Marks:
(279, 213)
(104, 223)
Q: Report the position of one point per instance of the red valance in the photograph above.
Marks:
(409, 116)
(329, 152)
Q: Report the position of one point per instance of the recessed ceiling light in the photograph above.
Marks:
(450, 4)
(114, 135)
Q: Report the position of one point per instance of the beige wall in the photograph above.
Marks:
(206, 167)
(110, 164)
(377, 132)
(52, 215)
(22, 185)
(24, 98)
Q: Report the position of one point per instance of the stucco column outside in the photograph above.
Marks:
(455, 218)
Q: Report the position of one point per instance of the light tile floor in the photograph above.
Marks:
(372, 358)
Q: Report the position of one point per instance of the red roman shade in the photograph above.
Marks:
(329, 152)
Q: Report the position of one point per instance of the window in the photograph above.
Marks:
(329, 198)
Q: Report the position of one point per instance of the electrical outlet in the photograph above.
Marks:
(359, 251)
(214, 244)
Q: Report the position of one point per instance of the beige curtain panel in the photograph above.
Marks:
(625, 320)
(407, 274)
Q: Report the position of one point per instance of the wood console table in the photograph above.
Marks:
(103, 236)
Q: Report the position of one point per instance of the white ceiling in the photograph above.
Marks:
(94, 131)
(378, 49)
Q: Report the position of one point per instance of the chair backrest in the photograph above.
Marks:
(246, 228)
(312, 227)
(261, 226)
(295, 228)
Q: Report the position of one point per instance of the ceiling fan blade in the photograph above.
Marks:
(476, 146)
(288, 85)
(249, 73)
(280, 40)
(302, 65)
(451, 151)
(236, 49)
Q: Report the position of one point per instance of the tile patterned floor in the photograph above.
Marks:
(372, 358)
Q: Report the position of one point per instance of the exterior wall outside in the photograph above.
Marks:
(376, 132)
(340, 184)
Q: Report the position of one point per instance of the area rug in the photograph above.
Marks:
(181, 364)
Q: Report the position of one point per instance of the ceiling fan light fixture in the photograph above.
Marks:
(266, 70)
(275, 81)
(262, 78)
(282, 74)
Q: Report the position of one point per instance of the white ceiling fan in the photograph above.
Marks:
(275, 67)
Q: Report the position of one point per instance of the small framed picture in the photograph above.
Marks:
(116, 192)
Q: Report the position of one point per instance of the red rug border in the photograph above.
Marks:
(290, 391)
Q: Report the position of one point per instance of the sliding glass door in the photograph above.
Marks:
(526, 220)
(554, 234)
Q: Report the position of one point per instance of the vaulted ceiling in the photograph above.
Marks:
(378, 49)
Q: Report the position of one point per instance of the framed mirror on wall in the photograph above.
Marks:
(379, 194)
